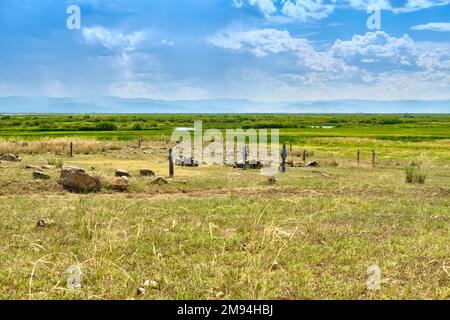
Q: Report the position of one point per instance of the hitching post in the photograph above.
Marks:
(283, 158)
(171, 171)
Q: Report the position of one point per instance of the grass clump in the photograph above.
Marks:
(417, 171)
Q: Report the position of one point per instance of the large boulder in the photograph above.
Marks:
(147, 173)
(122, 173)
(40, 175)
(119, 184)
(69, 169)
(81, 182)
(10, 157)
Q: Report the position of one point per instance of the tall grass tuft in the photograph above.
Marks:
(417, 171)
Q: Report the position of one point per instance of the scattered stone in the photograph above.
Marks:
(159, 180)
(69, 169)
(151, 283)
(147, 173)
(119, 184)
(48, 167)
(32, 167)
(122, 173)
(40, 175)
(10, 157)
(272, 180)
(323, 174)
(44, 223)
(81, 182)
(313, 163)
(140, 291)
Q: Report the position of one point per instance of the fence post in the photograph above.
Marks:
(304, 155)
(374, 154)
(71, 149)
(358, 155)
(290, 146)
(283, 158)
(140, 140)
(171, 170)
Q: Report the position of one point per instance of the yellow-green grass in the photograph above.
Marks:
(217, 232)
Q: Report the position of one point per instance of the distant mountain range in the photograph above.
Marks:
(107, 104)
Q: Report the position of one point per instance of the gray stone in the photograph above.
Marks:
(122, 173)
(40, 175)
(70, 169)
(147, 173)
(159, 180)
(10, 157)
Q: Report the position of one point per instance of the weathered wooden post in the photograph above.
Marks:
(71, 149)
(171, 169)
(358, 154)
(140, 140)
(290, 146)
(304, 155)
(244, 156)
(374, 154)
(283, 158)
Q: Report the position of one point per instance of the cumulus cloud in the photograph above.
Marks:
(343, 56)
(112, 39)
(433, 26)
(305, 10)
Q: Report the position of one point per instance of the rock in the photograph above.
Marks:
(159, 180)
(48, 167)
(122, 173)
(151, 283)
(43, 223)
(40, 175)
(147, 173)
(68, 169)
(32, 167)
(313, 163)
(119, 184)
(323, 174)
(140, 291)
(271, 180)
(81, 182)
(10, 157)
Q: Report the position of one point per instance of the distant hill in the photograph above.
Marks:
(106, 104)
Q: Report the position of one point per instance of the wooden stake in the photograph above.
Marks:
(358, 155)
(71, 149)
(171, 169)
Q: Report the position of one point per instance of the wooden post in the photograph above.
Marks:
(374, 154)
(290, 146)
(304, 155)
(171, 170)
(140, 140)
(71, 149)
(358, 157)
(283, 158)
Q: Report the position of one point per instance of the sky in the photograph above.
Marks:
(262, 50)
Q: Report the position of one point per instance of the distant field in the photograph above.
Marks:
(215, 232)
(295, 128)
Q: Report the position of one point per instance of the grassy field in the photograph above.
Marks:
(215, 232)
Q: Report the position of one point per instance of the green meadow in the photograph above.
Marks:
(214, 232)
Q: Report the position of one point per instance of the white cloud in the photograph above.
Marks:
(112, 39)
(433, 26)
(265, 6)
(306, 10)
(302, 10)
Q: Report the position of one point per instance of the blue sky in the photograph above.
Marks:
(263, 50)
